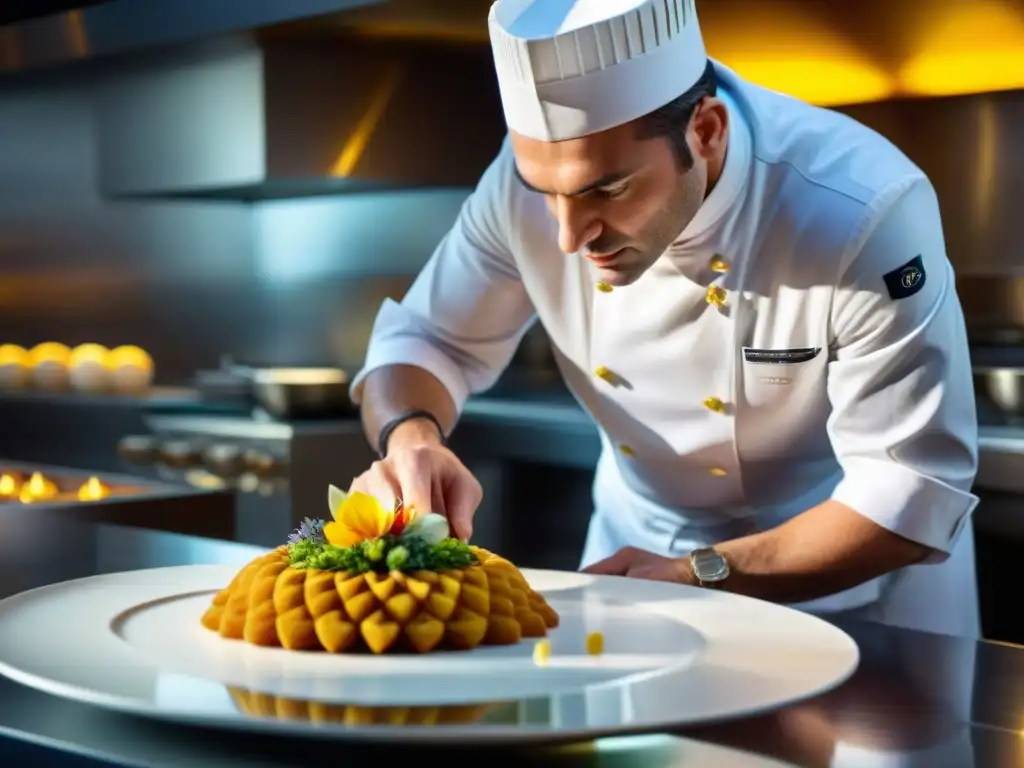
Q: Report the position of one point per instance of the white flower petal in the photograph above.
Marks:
(431, 527)
(335, 498)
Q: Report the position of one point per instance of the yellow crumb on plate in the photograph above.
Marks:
(595, 643)
(542, 652)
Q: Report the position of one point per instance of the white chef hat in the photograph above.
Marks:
(569, 68)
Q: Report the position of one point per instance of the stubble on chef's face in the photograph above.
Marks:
(619, 200)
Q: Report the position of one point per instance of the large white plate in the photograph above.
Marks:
(673, 656)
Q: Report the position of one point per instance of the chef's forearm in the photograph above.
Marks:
(394, 390)
(825, 550)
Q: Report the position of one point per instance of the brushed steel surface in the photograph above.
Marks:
(292, 283)
(98, 30)
(252, 120)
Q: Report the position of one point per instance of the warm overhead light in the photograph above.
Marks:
(9, 486)
(38, 488)
(972, 47)
(801, 56)
(93, 490)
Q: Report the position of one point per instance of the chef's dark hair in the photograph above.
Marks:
(672, 119)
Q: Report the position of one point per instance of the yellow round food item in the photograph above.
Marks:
(14, 366)
(128, 355)
(132, 369)
(89, 369)
(266, 705)
(269, 603)
(12, 353)
(88, 353)
(50, 352)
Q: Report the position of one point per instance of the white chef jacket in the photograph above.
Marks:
(834, 365)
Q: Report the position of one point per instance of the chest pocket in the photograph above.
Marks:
(774, 378)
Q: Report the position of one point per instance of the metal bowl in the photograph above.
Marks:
(302, 393)
(1004, 387)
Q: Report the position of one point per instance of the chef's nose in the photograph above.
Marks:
(576, 225)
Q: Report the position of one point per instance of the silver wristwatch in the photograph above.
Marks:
(709, 566)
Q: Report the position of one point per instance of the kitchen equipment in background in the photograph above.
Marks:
(63, 493)
(299, 393)
(1004, 387)
(283, 393)
(277, 471)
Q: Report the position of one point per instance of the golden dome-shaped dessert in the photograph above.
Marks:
(378, 581)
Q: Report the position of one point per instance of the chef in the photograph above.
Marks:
(749, 295)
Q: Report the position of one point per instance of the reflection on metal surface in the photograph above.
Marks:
(265, 705)
(985, 172)
(78, 39)
(355, 146)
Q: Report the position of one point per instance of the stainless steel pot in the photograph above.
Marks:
(300, 393)
(1003, 386)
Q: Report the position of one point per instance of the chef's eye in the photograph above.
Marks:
(613, 192)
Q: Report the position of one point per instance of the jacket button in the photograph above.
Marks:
(604, 373)
(717, 472)
(603, 287)
(719, 265)
(714, 404)
(716, 296)
(626, 450)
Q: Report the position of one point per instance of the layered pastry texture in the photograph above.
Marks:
(380, 581)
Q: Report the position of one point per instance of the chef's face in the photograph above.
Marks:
(620, 198)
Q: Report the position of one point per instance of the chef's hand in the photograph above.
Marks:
(638, 564)
(425, 475)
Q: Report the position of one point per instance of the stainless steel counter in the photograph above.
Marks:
(916, 700)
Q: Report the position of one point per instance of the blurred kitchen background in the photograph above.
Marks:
(221, 189)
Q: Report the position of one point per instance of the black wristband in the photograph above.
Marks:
(391, 426)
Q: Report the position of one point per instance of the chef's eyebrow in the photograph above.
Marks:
(607, 180)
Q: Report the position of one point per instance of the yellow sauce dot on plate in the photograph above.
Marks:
(603, 287)
(714, 404)
(595, 643)
(542, 652)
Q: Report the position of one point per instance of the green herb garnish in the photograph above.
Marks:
(388, 553)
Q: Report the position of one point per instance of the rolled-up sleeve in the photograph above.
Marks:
(467, 310)
(903, 422)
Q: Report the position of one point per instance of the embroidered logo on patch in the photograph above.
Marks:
(907, 280)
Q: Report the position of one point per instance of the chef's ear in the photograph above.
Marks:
(709, 128)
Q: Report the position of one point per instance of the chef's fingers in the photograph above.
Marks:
(616, 565)
(415, 472)
(462, 495)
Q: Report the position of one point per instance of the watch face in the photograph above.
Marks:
(708, 565)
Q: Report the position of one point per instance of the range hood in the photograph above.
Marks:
(254, 119)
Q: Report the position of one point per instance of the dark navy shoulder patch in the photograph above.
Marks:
(907, 280)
